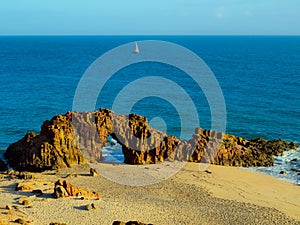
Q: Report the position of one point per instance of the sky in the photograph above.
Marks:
(155, 17)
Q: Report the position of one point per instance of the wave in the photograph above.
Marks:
(286, 167)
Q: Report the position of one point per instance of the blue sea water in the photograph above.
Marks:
(259, 77)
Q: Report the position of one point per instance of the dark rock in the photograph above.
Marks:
(295, 170)
(130, 223)
(25, 202)
(38, 192)
(3, 166)
(118, 223)
(93, 172)
(20, 221)
(25, 176)
(8, 207)
(91, 207)
(57, 223)
(283, 172)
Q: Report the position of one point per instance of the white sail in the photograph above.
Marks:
(137, 50)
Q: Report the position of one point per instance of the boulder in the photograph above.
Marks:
(63, 189)
(25, 186)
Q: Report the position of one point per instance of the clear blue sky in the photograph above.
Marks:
(126, 17)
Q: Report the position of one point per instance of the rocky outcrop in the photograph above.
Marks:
(3, 166)
(63, 189)
(69, 139)
(92, 130)
(140, 143)
(60, 140)
(55, 147)
(205, 146)
(213, 147)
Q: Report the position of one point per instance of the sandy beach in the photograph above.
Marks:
(219, 195)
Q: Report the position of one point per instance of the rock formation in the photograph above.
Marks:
(92, 130)
(63, 189)
(140, 143)
(55, 147)
(69, 139)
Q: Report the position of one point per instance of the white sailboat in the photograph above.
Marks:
(137, 50)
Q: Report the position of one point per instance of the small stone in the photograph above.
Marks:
(25, 202)
(94, 206)
(283, 172)
(71, 175)
(93, 172)
(130, 223)
(60, 192)
(208, 171)
(25, 176)
(38, 192)
(57, 223)
(8, 207)
(118, 223)
(91, 206)
(10, 172)
(20, 221)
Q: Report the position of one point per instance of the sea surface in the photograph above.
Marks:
(259, 77)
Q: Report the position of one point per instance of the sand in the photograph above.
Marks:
(172, 193)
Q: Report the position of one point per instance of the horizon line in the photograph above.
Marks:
(141, 35)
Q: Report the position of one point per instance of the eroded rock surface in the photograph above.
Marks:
(75, 138)
(63, 189)
(55, 147)
(141, 143)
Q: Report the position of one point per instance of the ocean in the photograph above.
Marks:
(259, 77)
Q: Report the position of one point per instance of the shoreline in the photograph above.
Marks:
(221, 195)
(258, 170)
